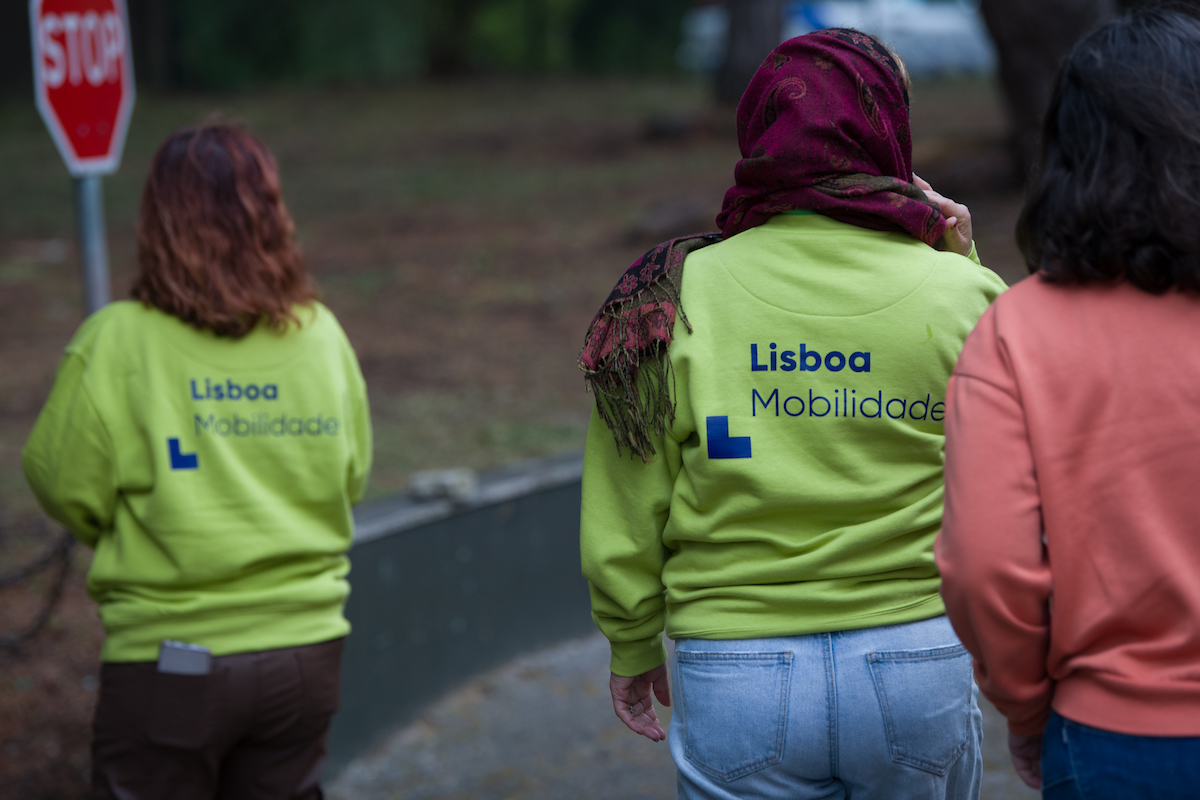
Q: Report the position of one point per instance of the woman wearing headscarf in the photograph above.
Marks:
(763, 476)
(207, 438)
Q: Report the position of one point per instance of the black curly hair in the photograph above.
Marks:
(1116, 194)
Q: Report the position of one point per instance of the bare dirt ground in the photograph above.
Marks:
(464, 235)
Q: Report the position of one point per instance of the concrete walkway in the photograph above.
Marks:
(542, 728)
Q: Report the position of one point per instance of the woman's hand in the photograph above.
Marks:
(633, 703)
(958, 235)
(1026, 752)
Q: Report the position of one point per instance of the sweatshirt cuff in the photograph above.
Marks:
(1030, 727)
(634, 658)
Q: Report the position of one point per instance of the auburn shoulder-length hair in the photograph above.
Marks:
(216, 245)
(1116, 196)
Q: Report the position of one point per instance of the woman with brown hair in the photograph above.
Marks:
(208, 439)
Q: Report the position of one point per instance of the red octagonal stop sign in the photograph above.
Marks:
(83, 79)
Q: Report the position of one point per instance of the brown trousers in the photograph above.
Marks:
(255, 728)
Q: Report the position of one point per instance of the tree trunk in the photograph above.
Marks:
(448, 32)
(537, 29)
(150, 34)
(1032, 37)
(755, 29)
(16, 60)
(1126, 5)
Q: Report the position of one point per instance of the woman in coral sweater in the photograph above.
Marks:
(1069, 553)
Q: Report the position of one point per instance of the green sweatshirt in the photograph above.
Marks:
(213, 476)
(799, 489)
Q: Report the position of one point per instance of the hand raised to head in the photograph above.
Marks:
(959, 234)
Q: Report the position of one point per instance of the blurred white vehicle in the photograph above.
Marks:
(934, 37)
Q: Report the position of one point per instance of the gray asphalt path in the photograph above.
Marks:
(542, 728)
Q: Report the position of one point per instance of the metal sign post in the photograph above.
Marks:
(83, 84)
(93, 245)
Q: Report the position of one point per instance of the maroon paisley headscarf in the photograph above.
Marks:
(823, 126)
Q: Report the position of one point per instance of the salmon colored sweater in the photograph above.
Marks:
(1070, 549)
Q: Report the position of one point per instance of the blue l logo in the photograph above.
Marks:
(721, 444)
(181, 460)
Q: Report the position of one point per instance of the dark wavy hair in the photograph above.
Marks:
(216, 245)
(1116, 195)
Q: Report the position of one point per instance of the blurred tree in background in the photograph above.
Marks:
(448, 53)
(230, 44)
(627, 35)
(1032, 37)
(755, 28)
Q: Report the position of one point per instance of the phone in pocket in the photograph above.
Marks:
(180, 658)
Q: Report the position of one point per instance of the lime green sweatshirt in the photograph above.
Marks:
(213, 476)
(799, 489)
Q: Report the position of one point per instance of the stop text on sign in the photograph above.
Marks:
(83, 79)
(78, 47)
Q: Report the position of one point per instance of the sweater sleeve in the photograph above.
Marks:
(68, 459)
(995, 571)
(995, 284)
(625, 508)
(362, 452)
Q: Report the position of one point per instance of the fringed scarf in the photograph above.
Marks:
(823, 126)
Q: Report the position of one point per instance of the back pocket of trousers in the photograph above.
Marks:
(735, 709)
(926, 698)
(179, 714)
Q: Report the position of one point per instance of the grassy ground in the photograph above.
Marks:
(461, 233)
(464, 234)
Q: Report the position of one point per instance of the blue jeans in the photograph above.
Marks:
(1080, 762)
(882, 713)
